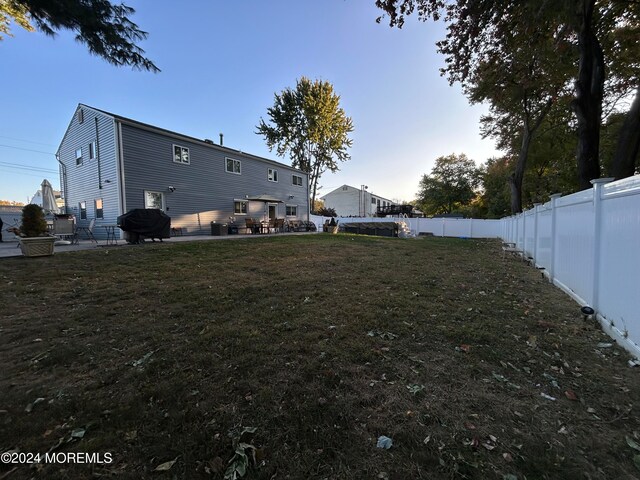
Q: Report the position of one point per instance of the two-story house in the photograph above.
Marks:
(110, 164)
(349, 201)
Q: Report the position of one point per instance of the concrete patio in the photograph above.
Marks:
(10, 247)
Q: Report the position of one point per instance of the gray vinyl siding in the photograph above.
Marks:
(204, 191)
(82, 182)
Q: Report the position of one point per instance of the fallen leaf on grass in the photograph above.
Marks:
(143, 360)
(548, 397)
(507, 456)
(29, 407)
(465, 348)
(384, 442)
(163, 467)
(632, 443)
(570, 394)
(415, 389)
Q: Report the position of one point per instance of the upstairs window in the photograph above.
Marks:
(181, 155)
(80, 115)
(92, 150)
(233, 166)
(79, 156)
(296, 180)
(272, 176)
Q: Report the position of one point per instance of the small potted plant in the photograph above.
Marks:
(34, 239)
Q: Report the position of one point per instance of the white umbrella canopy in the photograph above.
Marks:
(48, 198)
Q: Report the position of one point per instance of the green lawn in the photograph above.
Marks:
(322, 343)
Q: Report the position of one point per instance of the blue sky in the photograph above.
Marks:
(222, 61)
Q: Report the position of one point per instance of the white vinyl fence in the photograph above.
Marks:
(439, 227)
(589, 245)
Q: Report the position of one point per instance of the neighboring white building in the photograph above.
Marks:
(349, 201)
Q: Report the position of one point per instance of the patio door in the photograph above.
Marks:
(273, 211)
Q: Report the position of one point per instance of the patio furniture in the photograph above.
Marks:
(279, 225)
(86, 231)
(252, 226)
(294, 225)
(64, 227)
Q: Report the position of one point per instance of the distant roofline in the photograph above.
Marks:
(147, 126)
(371, 193)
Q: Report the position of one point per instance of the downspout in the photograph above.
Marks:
(120, 168)
(63, 181)
(98, 156)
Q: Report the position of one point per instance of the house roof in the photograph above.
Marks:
(164, 131)
(340, 188)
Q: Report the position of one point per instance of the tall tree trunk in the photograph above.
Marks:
(315, 174)
(628, 147)
(589, 91)
(516, 178)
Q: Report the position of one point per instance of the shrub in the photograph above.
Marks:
(33, 222)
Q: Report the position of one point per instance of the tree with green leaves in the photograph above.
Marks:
(452, 184)
(485, 38)
(308, 124)
(103, 27)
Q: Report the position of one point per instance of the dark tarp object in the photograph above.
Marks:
(141, 223)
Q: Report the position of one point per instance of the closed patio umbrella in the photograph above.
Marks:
(48, 198)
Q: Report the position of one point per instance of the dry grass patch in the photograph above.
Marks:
(322, 344)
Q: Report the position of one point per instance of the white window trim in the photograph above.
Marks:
(163, 208)
(272, 175)
(289, 205)
(173, 153)
(236, 200)
(92, 150)
(293, 176)
(79, 159)
(234, 163)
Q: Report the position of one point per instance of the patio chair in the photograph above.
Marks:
(294, 225)
(279, 225)
(251, 225)
(87, 231)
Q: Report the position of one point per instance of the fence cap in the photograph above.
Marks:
(598, 181)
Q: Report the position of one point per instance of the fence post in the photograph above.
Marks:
(534, 254)
(524, 235)
(597, 183)
(552, 268)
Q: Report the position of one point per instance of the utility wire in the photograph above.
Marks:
(27, 167)
(23, 173)
(28, 141)
(26, 149)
